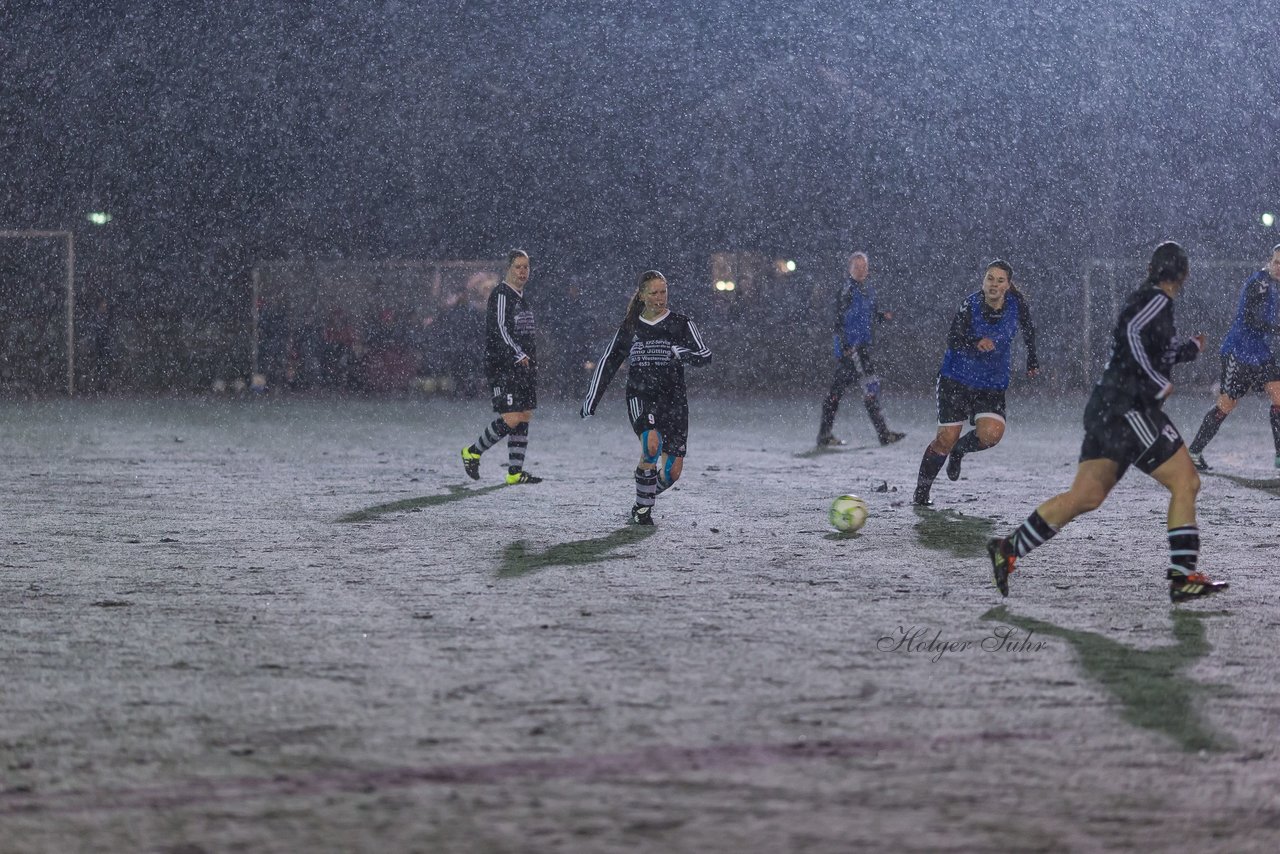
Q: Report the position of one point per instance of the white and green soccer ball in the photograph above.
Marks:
(848, 513)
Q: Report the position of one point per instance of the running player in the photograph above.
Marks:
(855, 311)
(975, 374)
(511, 366)
(657, 343)
(1248, 362)
(1124, 425)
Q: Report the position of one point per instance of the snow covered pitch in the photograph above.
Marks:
(295, 625)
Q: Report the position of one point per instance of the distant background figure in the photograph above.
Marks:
(460, 334)
(341, 348)
(575, 328)
(1248, 360)
(103, 356)
(855, 313)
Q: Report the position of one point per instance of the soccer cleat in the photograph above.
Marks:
(922, 498)
(891, 437)
(953, 466)
(471, 462)
(829, 441)
(1192, 586)
(641, 515)
(1003, 557)
(522, 477)
(1198, 461)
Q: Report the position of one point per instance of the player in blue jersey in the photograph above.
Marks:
(1248, 358)
(656, 343)
(856, 312)
(1124, 425)
(975, 373)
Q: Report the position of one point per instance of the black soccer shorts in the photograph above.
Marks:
(669, 417)
(1239, 378)
(515, 391)
(958, 403)
(1145, 440)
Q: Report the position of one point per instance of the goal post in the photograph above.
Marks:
(68, 238)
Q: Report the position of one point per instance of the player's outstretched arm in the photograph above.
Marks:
(606, 367)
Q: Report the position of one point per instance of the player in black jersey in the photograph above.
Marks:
(1124, 425)
(656, 342)
(511, 366)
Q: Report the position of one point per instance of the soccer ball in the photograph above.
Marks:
(848, 513)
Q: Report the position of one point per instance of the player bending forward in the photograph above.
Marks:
(1124, 425)
(656, 343)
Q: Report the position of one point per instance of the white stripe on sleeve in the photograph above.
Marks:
(1133, 332)
(502, 327)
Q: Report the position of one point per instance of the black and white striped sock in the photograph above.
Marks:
(492, 435)
(646, 486)
(1184, 549)
(517, 444)
(1033, 532)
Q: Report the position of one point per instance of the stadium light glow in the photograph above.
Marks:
(1268, 219)
(99, 217)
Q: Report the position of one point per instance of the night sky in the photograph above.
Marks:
(619, 135)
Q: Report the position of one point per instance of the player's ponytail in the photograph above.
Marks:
(1169, 263)
(637, 304)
